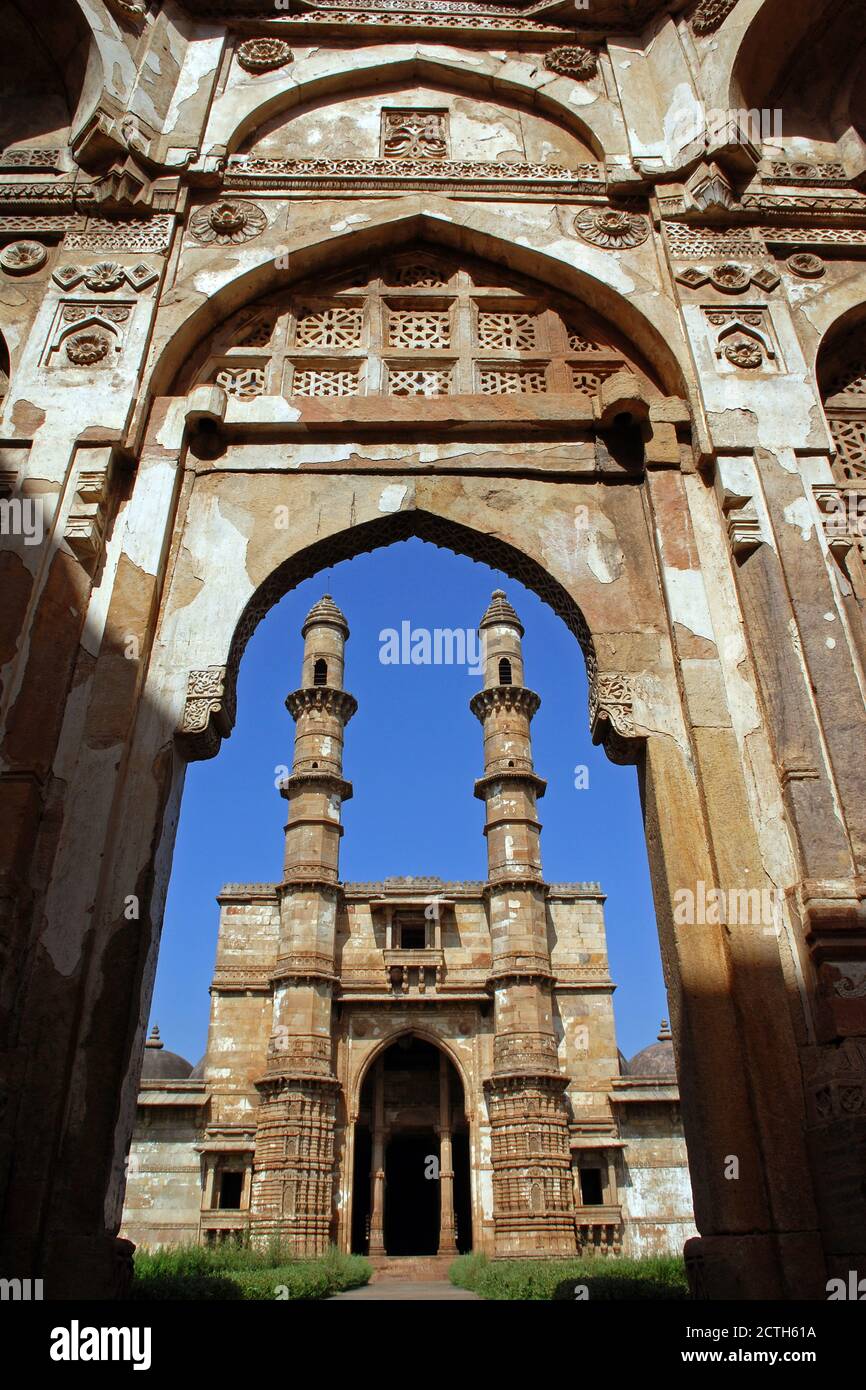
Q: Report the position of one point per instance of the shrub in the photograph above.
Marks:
(657, 1277)
(239, 1271)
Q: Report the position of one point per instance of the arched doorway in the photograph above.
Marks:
(411, 1180)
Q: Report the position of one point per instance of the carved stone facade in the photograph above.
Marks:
(361, 1032)
(418, 278)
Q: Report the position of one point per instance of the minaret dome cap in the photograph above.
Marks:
(325, 613)
(499, 610)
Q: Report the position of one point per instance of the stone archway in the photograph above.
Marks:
(411, 1180)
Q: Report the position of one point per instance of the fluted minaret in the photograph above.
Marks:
(532, 1186)
(294, 1159)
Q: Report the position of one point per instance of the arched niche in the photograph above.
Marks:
(419, 120)
(809, 63)
(44, 62)
(415, 323)
(841, 370)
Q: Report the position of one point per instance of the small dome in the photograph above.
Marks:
(657, 1059)
(159, 1065)
(197, 1073)
(325, 613)
(499, 610)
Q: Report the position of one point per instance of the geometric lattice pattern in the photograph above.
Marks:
(412, 329)
(325, 381)
(419, 381)
(512, 380)
(850, 439)
(497, 330)
(413, 325)
(336, 327)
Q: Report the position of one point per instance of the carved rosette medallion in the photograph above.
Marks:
(573, 61)
(615, 231)
(711, 15)
(227, 222)
(86, 349)
(745, 354)
(807, 266)
(23, 257)
(264, 55)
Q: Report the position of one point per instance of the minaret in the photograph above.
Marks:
(533, 1199)
(293, 1174)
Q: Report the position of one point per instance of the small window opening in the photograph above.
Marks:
(591, 1188)
(413, 936)
(320, 672)
(504, 671)
(231, 1187)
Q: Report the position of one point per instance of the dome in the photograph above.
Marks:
(159, 1065)
(325, 613)
(499, 610)
(197, 1073)
(657, 1059)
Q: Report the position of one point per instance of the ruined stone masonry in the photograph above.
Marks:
(580, 293)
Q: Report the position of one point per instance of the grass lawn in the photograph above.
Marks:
(659, 1277)
(238, 1271)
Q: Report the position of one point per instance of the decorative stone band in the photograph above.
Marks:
(282, 1076)
(249, 173)
(322, 21)
(309, 878)
(304, 965)
(507, 697)
(208, 714)
(322, 697)
(534, 1053)
(522, 776)
(515, 883)
(611, 716)
(521, 965)
(315, 781)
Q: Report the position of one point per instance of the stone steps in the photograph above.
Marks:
(412, 1268)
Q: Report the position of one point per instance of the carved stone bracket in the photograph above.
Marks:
(85, 525)
(208, 714)
(737, 490)
(611, 716)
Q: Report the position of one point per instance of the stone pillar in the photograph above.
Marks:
(293, 1175)
(377, 1166)
(447, 1222)
(532, 1190)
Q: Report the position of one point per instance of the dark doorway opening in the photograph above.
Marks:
(412, 1194)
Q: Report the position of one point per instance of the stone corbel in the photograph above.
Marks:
(208, 713)
(85, 525)
(708, 189)
(833, 913)
(611, 716)
(736, 488)
(832, 503)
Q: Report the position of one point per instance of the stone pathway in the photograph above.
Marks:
(406, 1289)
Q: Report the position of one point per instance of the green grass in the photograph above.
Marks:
(238, 1271)
(658, 1277)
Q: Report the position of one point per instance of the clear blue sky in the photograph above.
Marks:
(413, 751)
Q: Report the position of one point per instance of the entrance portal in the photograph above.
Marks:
(412, 1190)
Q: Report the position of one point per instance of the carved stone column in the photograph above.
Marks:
(447, 1222)
(377, 1166)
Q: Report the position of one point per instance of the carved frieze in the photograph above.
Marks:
(33, 159)
(105, 276)
(227, 223)
(247, 173)
(129, 234)
(731, 277)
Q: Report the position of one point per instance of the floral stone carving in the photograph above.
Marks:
(264, 55)
(711, 14)
(23, 257)
(228, 222)
(573, 61)
(85, 349)
(614, 230)
(807, 266)
(745, 354)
